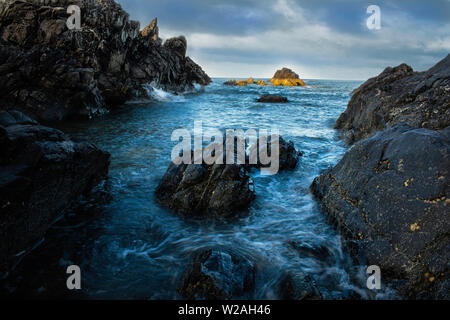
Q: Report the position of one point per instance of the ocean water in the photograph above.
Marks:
(129, 247)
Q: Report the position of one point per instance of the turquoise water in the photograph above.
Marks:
(128, 247)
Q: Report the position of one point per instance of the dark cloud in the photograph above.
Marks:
(317, 36)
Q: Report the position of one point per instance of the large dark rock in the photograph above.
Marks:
(217, 190)
(50, 72)
(41, 172)
(205, 190)
(389, 196)
(399, 96)
(288, 155)
(270, 98)
(215, 274)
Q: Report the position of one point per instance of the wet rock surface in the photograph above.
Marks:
(268, 98)
(42, 172)
(217, 190)
(399, 96)
(389, 196)
(296, 285)
(206, 190)
(216, 274)
(288, 155)
(51, 73)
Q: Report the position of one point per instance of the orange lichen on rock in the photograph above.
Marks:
(261, 82)
(286, 77)
(287, 82)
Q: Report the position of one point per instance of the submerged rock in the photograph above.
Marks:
(286, 77)
(269, 98)
(296, 285)
(41, 172)
(389, 196)
(51, 73)
(399, 96)
(215, 274)
(238, 83)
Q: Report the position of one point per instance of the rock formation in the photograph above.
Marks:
(296, 285)
(51, 73)
(389, 196)
(217, 190)
(286, 77)
(41, 172)
(208, 190)
(215, 274)
(399, 95)
(270, 98)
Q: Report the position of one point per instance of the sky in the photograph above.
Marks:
(318, 39)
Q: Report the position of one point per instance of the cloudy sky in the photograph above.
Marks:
(320, 39)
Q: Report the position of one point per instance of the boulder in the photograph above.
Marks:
(52, 73)
(288, 155)
(42, 172)
(389, 197)
(205, 190)
(296, 285)
(217, 190)
(399, 96)
(270, 98)
(215, 274)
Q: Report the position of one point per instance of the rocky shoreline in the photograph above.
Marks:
(42, 172)
(389, 195)
(52, 73)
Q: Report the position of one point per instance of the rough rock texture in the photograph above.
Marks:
(50, 72)
(285, 73)
(215, 274)
(205, 190)
(399, 95)
(286, 77)
(217, 190)
(269, 98)
(288, 155)
(295, 285)
(41, 172)
(389, 196)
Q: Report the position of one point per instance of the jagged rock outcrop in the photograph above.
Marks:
(41, 172)
(50, 72)
(215, 274)
(389, 196)
(270, 98)
(286, 77)
(205, 190)
(399, 95)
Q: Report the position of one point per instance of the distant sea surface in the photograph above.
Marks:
(129, 247)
